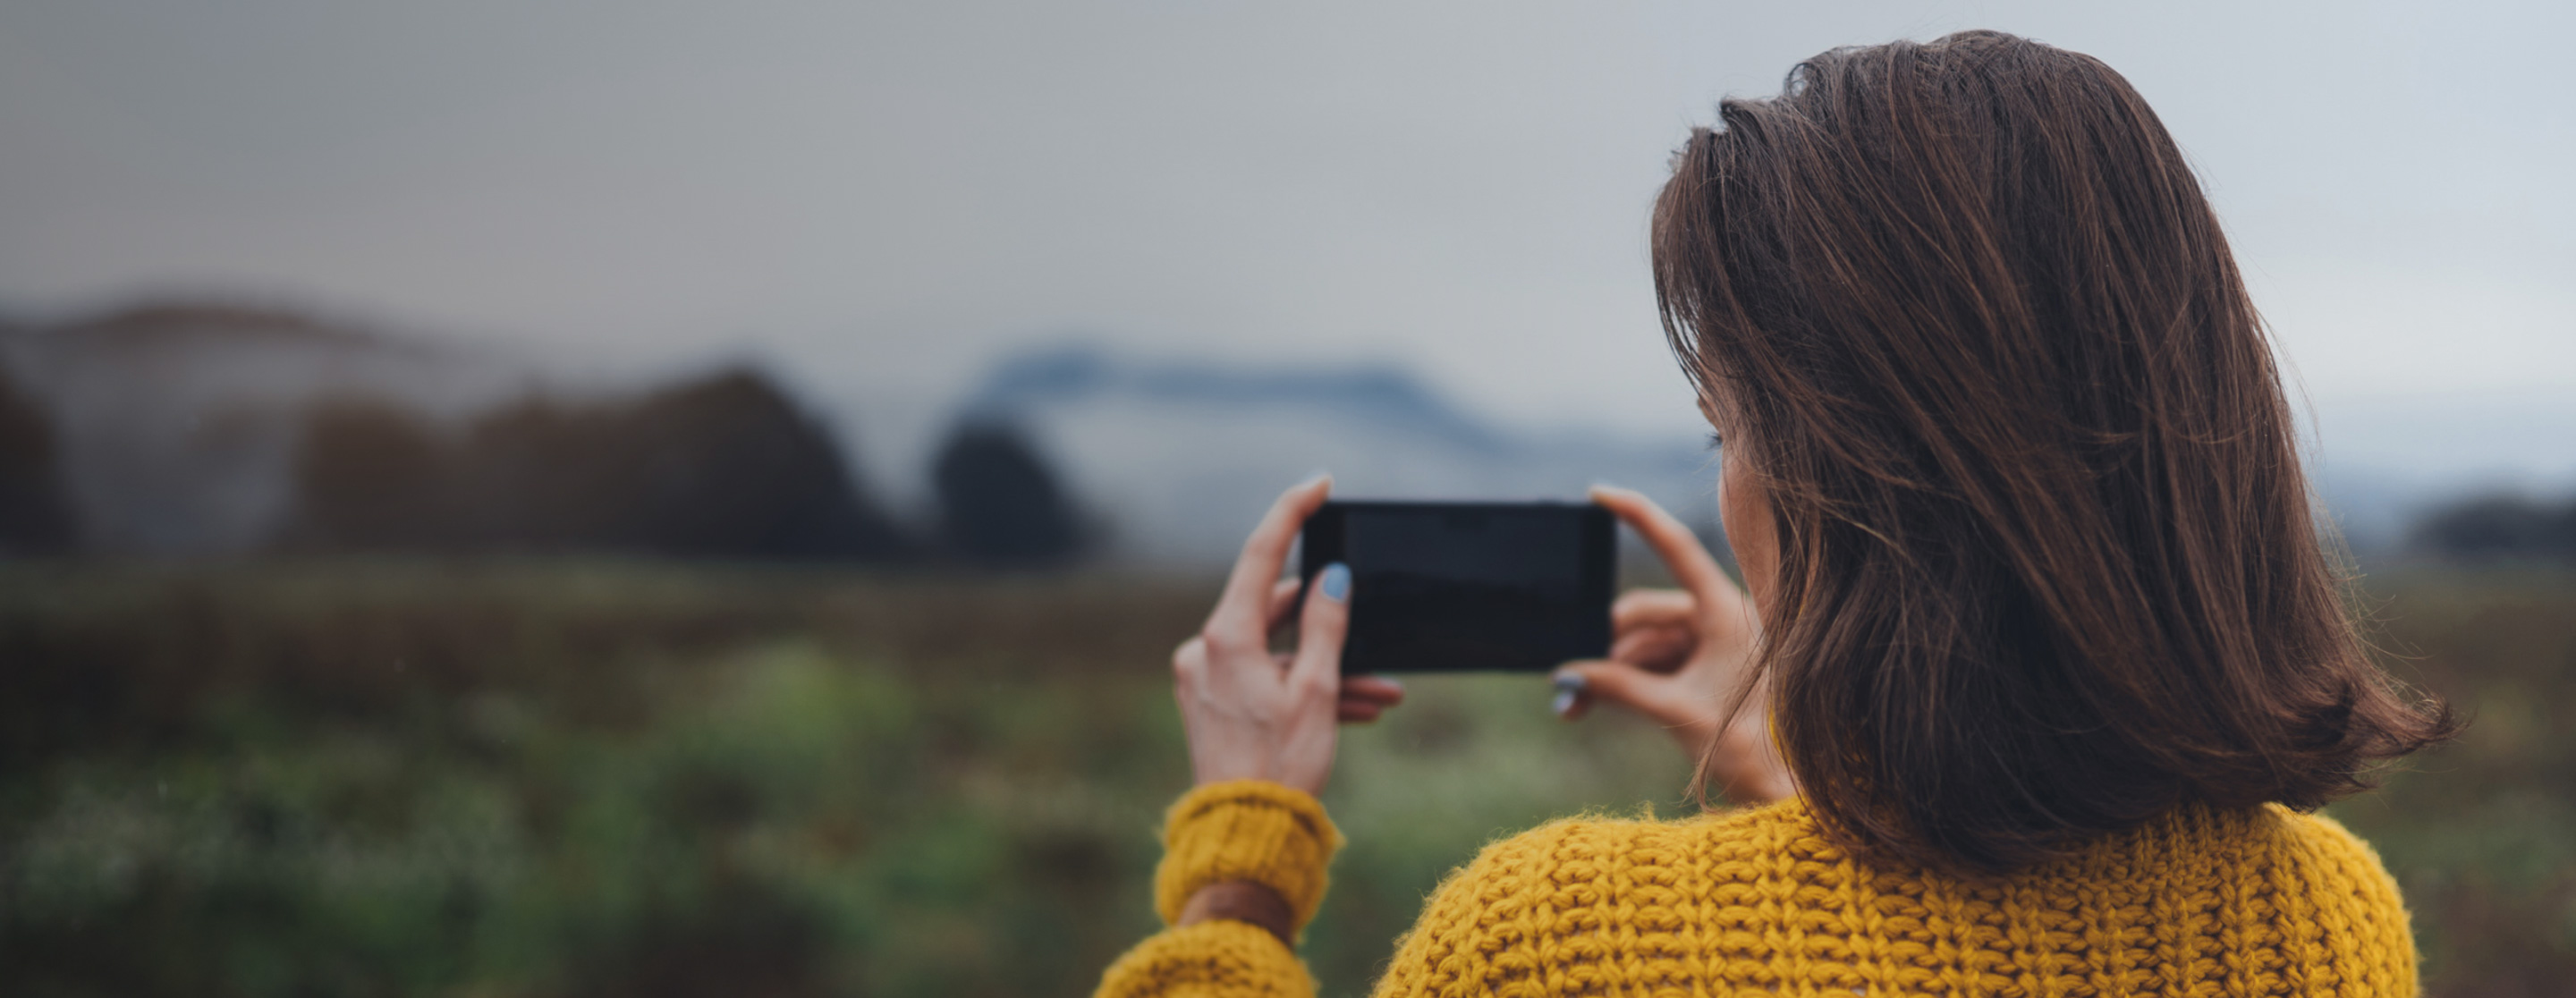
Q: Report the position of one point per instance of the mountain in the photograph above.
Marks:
(175, 423)
(198, 429)
(2382, 464)
(1179, 458)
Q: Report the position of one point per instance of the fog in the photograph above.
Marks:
(879, 201)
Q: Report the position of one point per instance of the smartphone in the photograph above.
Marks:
(1468, 586)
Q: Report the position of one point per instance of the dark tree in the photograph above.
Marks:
(723, 467)
(728, 467)
(371, 477)
(999, 503)
(2500, 527)
(34, 516)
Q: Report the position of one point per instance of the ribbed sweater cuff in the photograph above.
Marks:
(1252, 830)
(1217, 957)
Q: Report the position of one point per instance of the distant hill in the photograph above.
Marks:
(197, 429)
(2384, 464)
(1075, 375)
(176, 422)
(1180, 457)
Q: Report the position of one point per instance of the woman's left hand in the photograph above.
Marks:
(1252, 713)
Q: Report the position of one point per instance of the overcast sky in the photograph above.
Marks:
(880, 199)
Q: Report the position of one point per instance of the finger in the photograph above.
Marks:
(1680, 549)
(1319, 635)
(1653, 696)
(1650, 607)
(1357, 711)
(1656, 649)
(1655, 628)
(1571, 700)
(1245, 602)
(1189, 661)
(1283, 601)
(1374, 689)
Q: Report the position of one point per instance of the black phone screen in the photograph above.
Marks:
(1468, 587)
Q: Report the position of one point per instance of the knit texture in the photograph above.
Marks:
(2200, 902)
(1245, 830)
(1215, 957)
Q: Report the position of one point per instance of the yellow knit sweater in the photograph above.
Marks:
(2200, 902)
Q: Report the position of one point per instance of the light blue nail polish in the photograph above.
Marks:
(1335, 582)
(1571, 682)
(1569, 688)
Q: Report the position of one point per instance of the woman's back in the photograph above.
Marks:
(2200, 901)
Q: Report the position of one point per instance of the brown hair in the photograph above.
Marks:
(2047, 565)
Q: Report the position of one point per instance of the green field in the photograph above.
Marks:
(607, 778)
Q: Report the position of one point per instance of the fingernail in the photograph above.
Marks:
(1335, 582)
(1569, 688)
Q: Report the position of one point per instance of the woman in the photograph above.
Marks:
(2046, 670)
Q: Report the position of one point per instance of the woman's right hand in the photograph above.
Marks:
(1677, 657)
(1249, 712)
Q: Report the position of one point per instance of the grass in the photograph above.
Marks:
(2482, 834)
(504, 779)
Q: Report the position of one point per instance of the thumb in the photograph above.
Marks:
(1611, 681)
(1326, 620)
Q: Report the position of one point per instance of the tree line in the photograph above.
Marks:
(727, 466)
(724, 466)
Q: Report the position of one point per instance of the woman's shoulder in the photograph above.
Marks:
(1783, 840)
(2327, 852)
(1713, 838)
(2319, 830)
(1569, 860)
(1639, 902)
(1584, 860)
(1547, 901)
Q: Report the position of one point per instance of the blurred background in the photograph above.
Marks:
(570, 498)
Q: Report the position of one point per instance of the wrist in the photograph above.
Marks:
(1246, 830)
(1242, 901)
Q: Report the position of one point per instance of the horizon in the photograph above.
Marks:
(1160, 407)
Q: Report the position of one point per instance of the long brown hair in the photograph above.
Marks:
(2047, 565)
